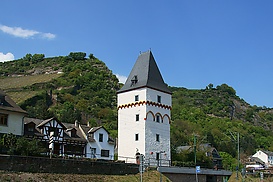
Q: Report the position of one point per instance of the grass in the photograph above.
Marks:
(21, 96)
(13, 86)
(248, 178)
(23, 81)
(151, 176)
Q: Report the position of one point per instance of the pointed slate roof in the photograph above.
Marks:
(145, 73)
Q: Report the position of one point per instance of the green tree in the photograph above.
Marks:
(229, 163)
(27, 57)
(37, 58)
(9, 142)
(77, 55)
(91, 56)
(28, 147)
(225, 88)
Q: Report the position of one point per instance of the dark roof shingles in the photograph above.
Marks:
(147, 74)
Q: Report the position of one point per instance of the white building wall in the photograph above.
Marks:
(101, 145)
(261, 155)
(15, 124)
(151, 95)
(146, 127)
(128, 127)
(162, 128)
(129, 97)
(161, 146)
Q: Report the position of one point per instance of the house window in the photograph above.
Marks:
(30, 128)
(136, 137)
(100, 137)
(73, 133)
(157, 137)
(157, 118)
(4, 119)
(137, 117)
(55, 130)
(104, 153)
(136, 98)
(159, 99)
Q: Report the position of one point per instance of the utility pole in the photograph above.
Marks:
(194, 145)
(238, 150)
(238, 153)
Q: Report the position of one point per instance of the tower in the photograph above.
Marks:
(144, 105)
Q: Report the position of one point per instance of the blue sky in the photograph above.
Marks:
(195, 42)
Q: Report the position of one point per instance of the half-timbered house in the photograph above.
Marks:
(71, 139)
(67, 138)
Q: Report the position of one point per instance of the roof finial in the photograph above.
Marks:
(139, 52)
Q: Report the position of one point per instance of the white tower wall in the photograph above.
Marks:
(147, 127)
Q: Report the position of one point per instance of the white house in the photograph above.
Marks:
(99, 143)
(11, 116)
(265, 156)
(144, 105)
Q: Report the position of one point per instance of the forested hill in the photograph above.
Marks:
(69, 87)
(216, 115)
(77, 87)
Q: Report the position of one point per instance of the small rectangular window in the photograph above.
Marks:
(104, 153)
(30, 128)
(136, 137)
(4, 119)
(157, 137)
(159, 99)
(100, 137)
(137, 117)
(136, 98)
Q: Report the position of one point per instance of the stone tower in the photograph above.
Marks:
(144, 106)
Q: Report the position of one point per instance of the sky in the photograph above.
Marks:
(194, 42)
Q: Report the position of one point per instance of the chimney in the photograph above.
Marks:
(77, 123)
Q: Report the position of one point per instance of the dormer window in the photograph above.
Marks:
(30, 127)
(72, 132)
(134, 80)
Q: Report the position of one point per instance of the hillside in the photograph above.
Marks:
(215, 115)
(75, 87)
(69, 87)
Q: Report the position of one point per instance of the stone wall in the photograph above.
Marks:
(56, 165)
